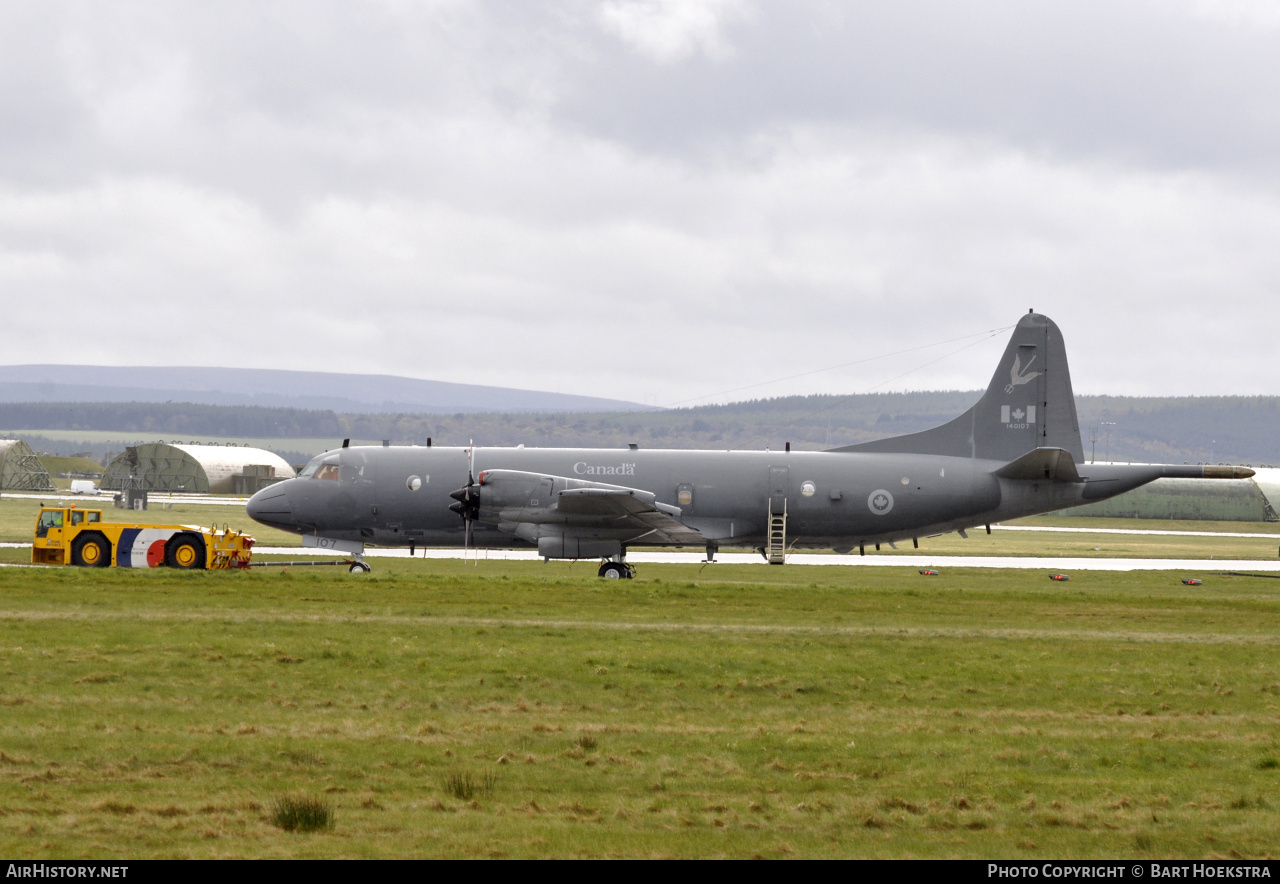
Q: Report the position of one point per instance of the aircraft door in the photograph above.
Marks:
(779, 480)
(358, 473)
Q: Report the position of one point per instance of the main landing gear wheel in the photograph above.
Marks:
(359, 568)
(617, 571)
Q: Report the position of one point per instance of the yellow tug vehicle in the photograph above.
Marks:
(71, 536)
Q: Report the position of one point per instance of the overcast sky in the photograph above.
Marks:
(654, 200)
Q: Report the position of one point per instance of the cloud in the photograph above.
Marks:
(1238, 13)
(1135, 82)
(617, 274)
(497, 193)
(667, 31)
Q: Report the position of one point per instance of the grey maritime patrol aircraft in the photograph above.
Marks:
(1017, 452)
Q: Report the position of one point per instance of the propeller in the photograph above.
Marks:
(467, 506)
(467, 502)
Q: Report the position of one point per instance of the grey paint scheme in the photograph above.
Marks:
(1017, 452)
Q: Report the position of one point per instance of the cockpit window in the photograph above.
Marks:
(321, 468)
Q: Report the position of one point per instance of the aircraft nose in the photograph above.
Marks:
(270, 506)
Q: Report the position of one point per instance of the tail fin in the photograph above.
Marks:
(1028, 405)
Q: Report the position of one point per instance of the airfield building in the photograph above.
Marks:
(196, 469)
(20, 469)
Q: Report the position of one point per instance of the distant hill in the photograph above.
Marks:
(171, 419)
(371, 393)
(1226, 429)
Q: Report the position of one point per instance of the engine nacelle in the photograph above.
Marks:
(504, 489)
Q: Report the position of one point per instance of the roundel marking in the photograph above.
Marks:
(140, 550)
(880, 501)
(155, 554)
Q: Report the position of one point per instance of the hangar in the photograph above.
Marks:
(20, 469)
(199, 469)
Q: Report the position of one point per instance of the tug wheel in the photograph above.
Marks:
(185, 552)
(91, 551)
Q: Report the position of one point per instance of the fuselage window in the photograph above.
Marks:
(328, 471)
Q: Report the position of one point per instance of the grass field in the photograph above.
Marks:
(55, 466)
(520, 709)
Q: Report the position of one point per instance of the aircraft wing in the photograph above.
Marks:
(622, 508)
(534, 506)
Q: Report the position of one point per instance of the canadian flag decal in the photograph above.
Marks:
(1017, 416)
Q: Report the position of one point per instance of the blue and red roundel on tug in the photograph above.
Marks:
(142, 547)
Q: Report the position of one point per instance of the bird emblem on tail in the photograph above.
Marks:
(1019, 375)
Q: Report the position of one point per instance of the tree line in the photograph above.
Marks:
(173, 418)
(1227, 429)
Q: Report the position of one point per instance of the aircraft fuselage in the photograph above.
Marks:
(398, 496)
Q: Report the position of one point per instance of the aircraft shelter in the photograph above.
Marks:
(191, 468)
(20, 469)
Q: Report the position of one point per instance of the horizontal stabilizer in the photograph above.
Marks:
(1040, 465)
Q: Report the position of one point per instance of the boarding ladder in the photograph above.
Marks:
(775, 550)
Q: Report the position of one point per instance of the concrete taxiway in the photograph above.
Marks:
(1046, 563)
(1053, 563)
